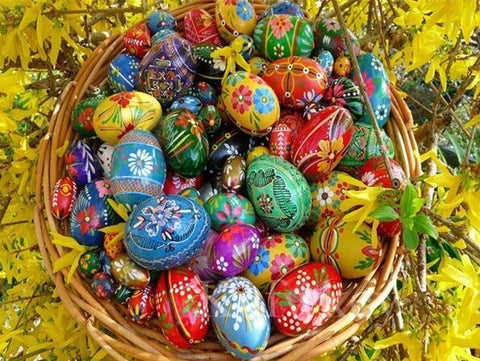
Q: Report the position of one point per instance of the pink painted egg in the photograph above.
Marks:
(63, 197)
(200, 27)
(137, 40)
(281, 141)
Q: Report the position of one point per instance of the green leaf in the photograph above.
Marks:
(410, 237)
(423, 224)
(384, 213)
(406, 202)
(417, 204)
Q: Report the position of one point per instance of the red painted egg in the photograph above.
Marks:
(292, 118)
(374, 173)
(281, 141)
(297, 81)
(322, 142)
(63, 197)
(305, 298)
(176, 183)
(200, 27)
(137, 40)
(141, 305)
(182, 306)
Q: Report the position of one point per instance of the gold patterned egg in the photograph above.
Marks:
(256, 152)
(234, 17)
(122, 112)
(251, 103)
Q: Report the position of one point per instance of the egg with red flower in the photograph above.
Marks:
(141, 304)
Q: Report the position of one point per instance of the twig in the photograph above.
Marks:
(109, 11)
(21, 299)
(470, 143)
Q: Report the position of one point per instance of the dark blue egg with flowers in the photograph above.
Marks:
(187, 102)
(160, 20)
(283, 7)
(122, 73)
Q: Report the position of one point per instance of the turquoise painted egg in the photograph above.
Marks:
(279, 193)
(211, 118)
(165, 232)
(226, 209)
(329, 36)
(162, 34)
(104, 156)
(344, 93)
(91, 212)
(160, 20)
(279, 36)
(209, 67)
(378, 87)
(122, 73)
(234, 17)
(82, 116)
(278, 254)
(138, 168)
(81, 163)
(325, 59)
(283, 7)
(193, 194)
(187, 102)
(184, 142)
(240, 317)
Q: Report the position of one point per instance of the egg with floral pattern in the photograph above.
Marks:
(233, 174)
(226, 209)
(326, 60)
(91, 212)
(240, 317)
(160, 20)
(141, 305)
(104, 156)
(182, 307)
(122, 73)
(89, 264)
(176, 183)
(199, 26)
(283, 7)
(345, 93)
(322, 142)
(305, 298)
(82, 116)
(297, 81)
(329, 36)
(283, 35)
(234, 17)
(201, 262)
(187, 102)
(165, 232)
(103, 285)
(206, 93)
(122, 112)
(251, 103)
(128, 273)
(228, 143)
(81, 163)
(137, 40)
(351, 251)
(63, 197)
(209, 67)
(211, 118)
(278, 254)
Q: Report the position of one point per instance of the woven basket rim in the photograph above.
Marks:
(103, 318)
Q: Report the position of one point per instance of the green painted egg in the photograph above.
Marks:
(279, 193)
(184, 142)
(193, 194)
(234, 17)
(82, 116)
(128, 273)
(89, 264)
(282, 35)
(226, 209)
(123, 293)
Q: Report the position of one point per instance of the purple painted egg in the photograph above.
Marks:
(199, 26)
(235, 249)
(201, 263)
(81, 163)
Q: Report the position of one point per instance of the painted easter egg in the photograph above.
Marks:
(182, 306)
(160, 20)
(374, 173)
(81, 163)
(206, 93)
(322, 142)
(82, 116)
(226, 209)
(311, 109)
(250, 102)
(104, 156)
(342, 66)
(240, 317)
(378, 87)
(283, 35)
(325, 59)
(353, 254)
(209, 67)
(128, 273)
(234, 18)
(258, 65)
(165, 232)
(137, 40)
(305, 298)
(199, 26)
(113, 245)
(176, 183)
(283, 7)
(106, 263)
(296, 81)
(63, 197)
(122, 73)
(279, 193)
(89, 264)
(123, 294)
(201, 263)
(233, 174)
(138, 168)
(231, 142)
(141, 305)
(184, 142)
(234, 249)
(278, 254)
(168, 69)
(122, 112)
(327, 195)
(256, 152)
(193, 194)
(211, 118)
(329, 36)
(162, 34)
(344, 93)
(103, 285)
(187, 102)
(91, 212)
(293, 119)
(281, 141)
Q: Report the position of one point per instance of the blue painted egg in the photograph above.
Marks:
(81, 163)
(325, 59)
(240, 317)
(206, 93)
(160, 20)
(164, 232)
(161, 34)
(122, 73)
(138, 168)
(91, 212)
(378, 87)
(187, 102)
(283, 7)
(103, 285)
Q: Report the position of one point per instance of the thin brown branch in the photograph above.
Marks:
(109, 11)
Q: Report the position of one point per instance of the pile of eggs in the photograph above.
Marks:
(233, 187)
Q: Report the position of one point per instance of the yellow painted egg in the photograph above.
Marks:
(251, 103)
(277, 255)
(256, 152)
(353, 254)
(122, 112)
(234, 18)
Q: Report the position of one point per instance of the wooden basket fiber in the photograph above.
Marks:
(107, 321)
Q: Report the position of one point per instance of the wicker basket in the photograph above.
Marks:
(107, 322)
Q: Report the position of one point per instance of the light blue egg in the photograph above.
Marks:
(160, 20)
(187, 102)
(122, 73)
(325, 59)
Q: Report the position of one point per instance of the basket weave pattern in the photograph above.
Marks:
(107, 322)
